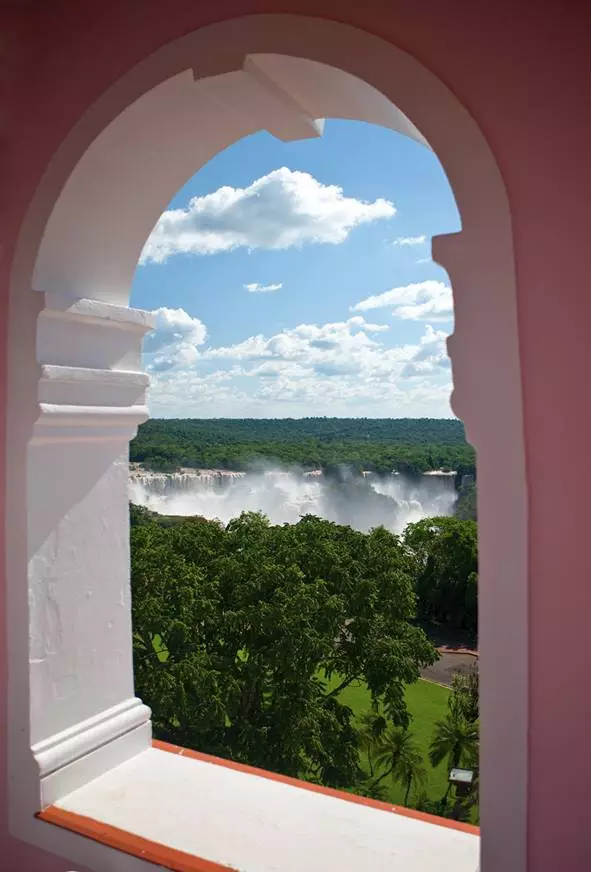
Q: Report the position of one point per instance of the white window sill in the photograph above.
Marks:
(245, 822)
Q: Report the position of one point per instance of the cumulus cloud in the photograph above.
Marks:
(420, 301)
(185, 393)
(410, 240)
(282, 209)
(431, 356)
(175, 339)
(256, 288)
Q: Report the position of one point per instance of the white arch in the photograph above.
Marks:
(101, 194)
(160, 141)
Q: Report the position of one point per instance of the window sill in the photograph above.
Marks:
(190, 812)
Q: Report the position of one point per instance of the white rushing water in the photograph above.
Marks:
(361, 501)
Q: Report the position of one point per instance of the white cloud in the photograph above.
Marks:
(256, 288)
(410, 240)
(421, 301)
(185, 393)
(175, 339)
(431, 356)
(310, 344)
(295, 394)
(282, 209)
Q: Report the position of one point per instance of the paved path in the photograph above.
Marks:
(443, 671)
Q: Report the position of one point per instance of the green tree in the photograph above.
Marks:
(373, 725)
(464, 703)
(245, 636)
(401, 759)
(455, 741)
(466, 508)
(446, 554)
(465, 694)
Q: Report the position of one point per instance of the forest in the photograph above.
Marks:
(298, 648)
(407, 445)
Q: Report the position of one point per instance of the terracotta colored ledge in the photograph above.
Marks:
(319, 788)
(152, 852)
(179, 861)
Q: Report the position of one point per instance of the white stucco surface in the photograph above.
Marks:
(255, 824)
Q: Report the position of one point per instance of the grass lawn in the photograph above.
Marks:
(427, 703)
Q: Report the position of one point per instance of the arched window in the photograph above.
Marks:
(77, 390)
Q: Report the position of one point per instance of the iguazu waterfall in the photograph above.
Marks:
(361, 500)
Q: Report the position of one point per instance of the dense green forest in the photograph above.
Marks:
(411, 445)
(248, 638)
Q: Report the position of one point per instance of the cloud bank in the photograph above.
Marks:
(341, 368)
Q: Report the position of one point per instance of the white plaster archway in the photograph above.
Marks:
(76, 391)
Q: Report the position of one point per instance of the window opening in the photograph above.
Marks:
(303, 519)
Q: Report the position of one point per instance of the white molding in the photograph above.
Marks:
(91, 386)
(67, 308)
(290, 120)
(54, 415)
(52, 373)
(86, 397)
(349, 97)
(67, 423)
(249, 97)
(98, 761)
(63, 748)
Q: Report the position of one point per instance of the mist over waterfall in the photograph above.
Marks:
(362, 501)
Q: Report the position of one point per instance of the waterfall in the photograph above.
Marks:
(362, 501)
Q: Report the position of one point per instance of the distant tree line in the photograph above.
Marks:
(408, 445)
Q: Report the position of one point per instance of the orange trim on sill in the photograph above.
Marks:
(120, 840)
(318, 788)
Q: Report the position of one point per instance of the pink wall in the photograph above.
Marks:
(521, 69)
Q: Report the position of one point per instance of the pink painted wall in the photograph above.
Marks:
(522, 71)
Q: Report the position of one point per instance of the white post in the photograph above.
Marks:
(84, 717)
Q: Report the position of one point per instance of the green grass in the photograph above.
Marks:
(427, 703)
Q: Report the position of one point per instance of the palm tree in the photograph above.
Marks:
(465, 694)
(455, 740)
(372, 729)
(401, 758)
(472, 762)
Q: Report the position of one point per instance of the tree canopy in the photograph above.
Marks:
(245, 635)
(446, 554)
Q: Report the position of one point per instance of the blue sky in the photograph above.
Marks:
(294, 279)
